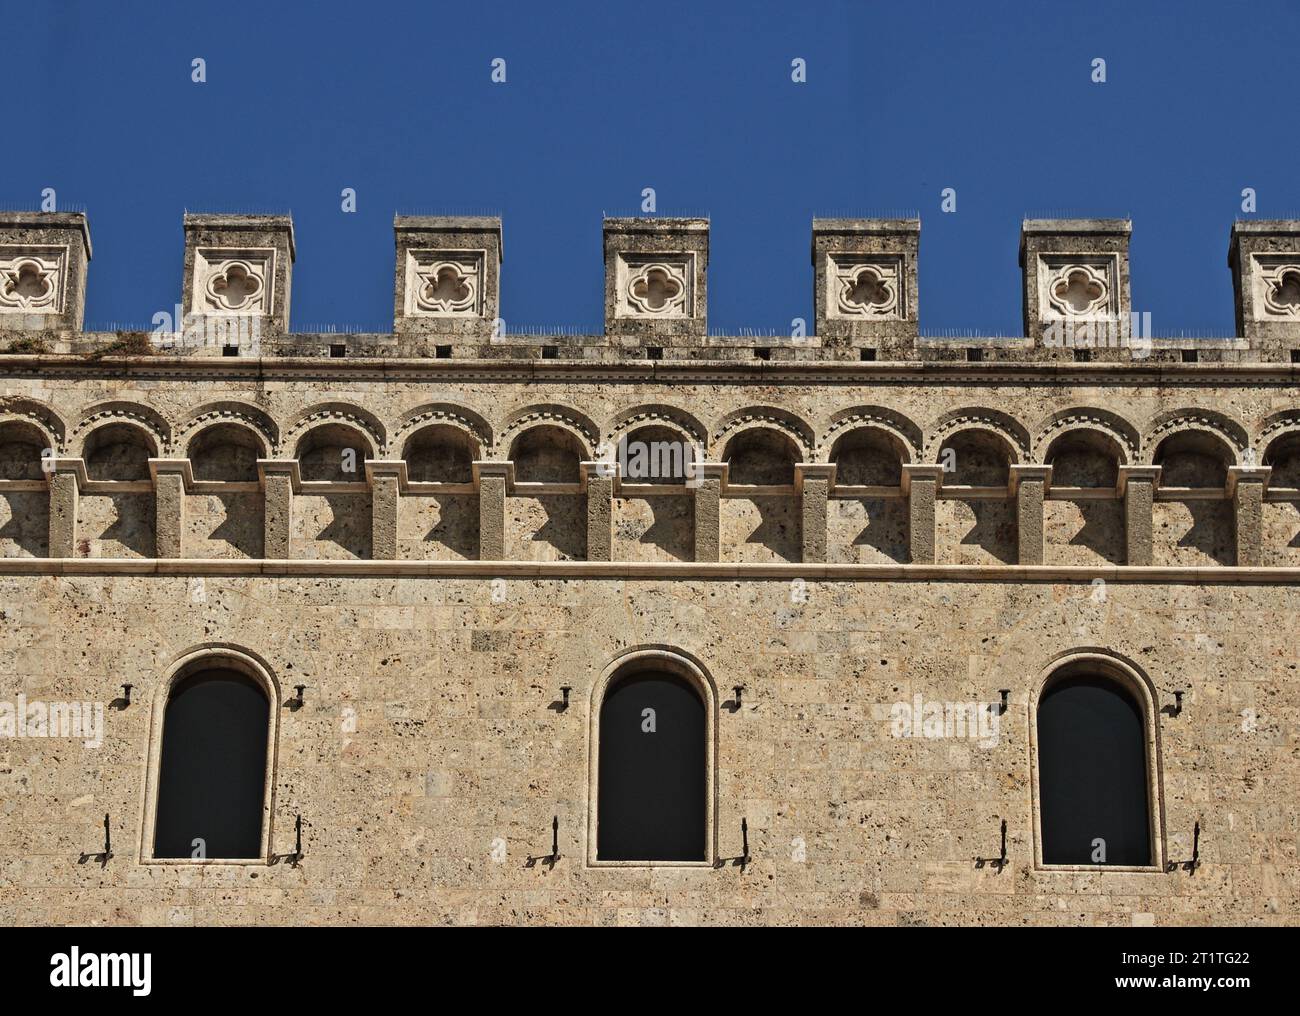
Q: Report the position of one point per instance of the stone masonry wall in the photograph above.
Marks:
(430, 753)
(455, 745)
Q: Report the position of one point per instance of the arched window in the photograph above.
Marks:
(653, 774)
(1093, 771)
(212, 767)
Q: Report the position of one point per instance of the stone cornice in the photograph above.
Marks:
(761, 372)
(676, 570)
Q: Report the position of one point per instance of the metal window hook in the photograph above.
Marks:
(1178, 702)
(105, 855)
(564, 690)
(296, 702)
(125, 700)
(554, 856)
(738, 689)
(297, 855)
(999, 862)
(1001, 707)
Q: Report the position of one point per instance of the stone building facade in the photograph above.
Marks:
(437, 549)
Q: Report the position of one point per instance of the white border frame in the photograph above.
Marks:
(637, 660)
(212, 655)
(1125, 673)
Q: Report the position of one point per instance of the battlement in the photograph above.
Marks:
(237, 274)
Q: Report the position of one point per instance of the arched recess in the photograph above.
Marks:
(583, 430)
(1085, 457)
(737, 422)
(1193, 457)
(240, 414)
(1088, 419)
(340, 413)
(441, 453)
(23, 445)
(656, 444)
(976, 456)
(761, 456)
(1279, 444)
(901, 428)
(218, 680)
(143, 418)
(119, 449)
(39, 415)
(333, 452)
(1096, 763)
(547, 453)
(1206, 421)
(654, 453)
(869, 456)
(226, 451)
(476, 429)
(975, 418)
(661, 775)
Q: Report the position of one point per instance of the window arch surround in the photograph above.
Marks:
(655, 660)
(201, 659)
(1129, 679)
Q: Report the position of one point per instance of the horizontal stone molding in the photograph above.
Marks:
(685, 570)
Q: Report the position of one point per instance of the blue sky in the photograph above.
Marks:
(602, 99)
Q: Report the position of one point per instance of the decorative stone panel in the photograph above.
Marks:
(655, 271)
(655, 285)
(229, 281)
(864, 283)
(448, 276)
(871, 289)
(32, 279)
(1077, 287)
(444, 283)
(1076, 281)
(1277, 286)
(43, 257)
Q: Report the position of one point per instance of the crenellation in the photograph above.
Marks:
(866, 306)
(237, 279)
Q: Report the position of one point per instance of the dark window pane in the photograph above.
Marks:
(1092, 773)
(652, 784)
(212, 776)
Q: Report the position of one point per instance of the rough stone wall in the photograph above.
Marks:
(455, 746)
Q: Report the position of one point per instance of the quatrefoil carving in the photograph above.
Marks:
(1282, 291)
(446, 288)
(229, 280)
(864, 288)
(29, 282)
(1079, 291)
(868, 291)
(657, 289)
(234, 285)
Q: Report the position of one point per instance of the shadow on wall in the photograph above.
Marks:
(885, 536)
(992, 529)
(25, 532)
(455, 527)
(654, 528)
